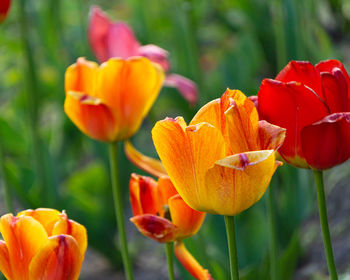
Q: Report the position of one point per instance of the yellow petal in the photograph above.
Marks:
(59, 259)
(186, 219)
(270, 136)
(24, 236)
(148, 164)
(187, 153)
(237, 182)
(5, 266)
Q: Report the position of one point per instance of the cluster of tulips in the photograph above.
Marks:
(220, 163)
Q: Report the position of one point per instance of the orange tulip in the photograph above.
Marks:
(41, 244)
(223, 162)
(108, 103)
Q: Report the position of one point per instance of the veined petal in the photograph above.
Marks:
(326, 143)
(143, 195)
(66, 226)
(45, 216)
(148, 164)
(186, 87)
(291, 106)
(271, 136)
(186, 219)
(190, 263)
(237, 182)
(24, 236)
(91, 116)
(59, 259)
(5, 266)
(187, 153)
(155, 227)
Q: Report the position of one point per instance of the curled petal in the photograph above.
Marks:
(5, 266)
(166, 190)
(271, 136)
(190, 263)
(186, 219)
(240, 181)
(155, 227)
(91, 116)
(326, 143)
(155, 54)
(143, 195)
(186, 87)
(148, 164)
(58, 259)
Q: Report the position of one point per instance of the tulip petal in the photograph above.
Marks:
(59, 259)
(156, 55)
(166, 190)
(271, 136)
(5, 266)
(187, 153)
(46, 217)
(91, 116)
(155, 227)
(130, 87)
(291, 106)
(148, 164)
(184, 217)
(143, 195)
(4, 8)
(24, 236)
(77, 231)
(190, 263)
(326, 143)
(303, 72)
(240, 181)
(186, 87)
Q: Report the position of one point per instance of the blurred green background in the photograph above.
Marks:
(218, 44)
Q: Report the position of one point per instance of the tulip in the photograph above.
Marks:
(4, 8)
(161, 214)
(108, 103)
(313, 104)
(41, 244)
(116, 39)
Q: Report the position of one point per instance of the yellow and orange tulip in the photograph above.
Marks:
(223, 162)
(41, 244)
(109, 102)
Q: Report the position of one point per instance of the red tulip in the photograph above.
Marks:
(313, 104)
(4, 8)
(116, 39)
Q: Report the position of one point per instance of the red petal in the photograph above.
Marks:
(303, 72)
(4, 8)
(326, 142)
(292, 106)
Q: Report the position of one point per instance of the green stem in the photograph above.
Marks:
(118, 208)
(7, 192)
(273, 235)
(169, 249)
(322, 208)
(232, 247)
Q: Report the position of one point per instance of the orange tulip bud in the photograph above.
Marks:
(109, 102)
(41, 244)
(223, 162)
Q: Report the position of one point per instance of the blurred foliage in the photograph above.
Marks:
(218, 44)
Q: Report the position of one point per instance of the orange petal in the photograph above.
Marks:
(187, 153)
(81, 77)
(237, 182)
(166, 190)
(91, 116)
(46, 217)
(24, 236)
(190, 263)
(130, 87)
(184, 217)
(5, 266)
(271, 136)
(59, 259)
(155, 227)
(72, 228)
(143, 195)
(148, 164)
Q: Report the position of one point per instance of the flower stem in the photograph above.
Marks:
(169, 248)
(273, 237)
(118, 208)
(7, 192)
(318, 176)
(232, 247)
